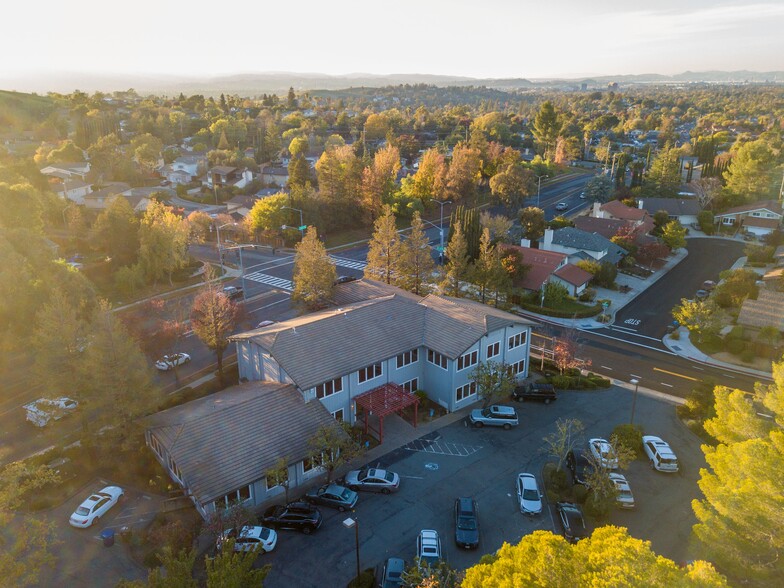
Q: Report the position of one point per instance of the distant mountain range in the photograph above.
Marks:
(253, 84)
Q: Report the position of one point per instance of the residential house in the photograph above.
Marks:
(579, 245)
(575, 279)
(140, 197)
(432, 344)
(74, 189)
(759, 218)
(225, 176)
(277, 175)
(548, 266)
(218, 448)
(185, 169)
(683, 210)
(615, 209)
(100, 199)
(766, 310)
(65, 171)
(240, 205)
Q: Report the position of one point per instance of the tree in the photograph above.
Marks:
(464, 172)
(698, 316)
(752, 174)
(458, 265)
(175, 571)
(651, 252)
(116, 232)
(533, 223)
(610, 557)
(554, 293)
(486, 267)
(735, 287)
(498, 225)
(163, 239)
(674, 235)
(384, 249)
(494, 381)
(513, 185)
(234, 569)
(267, 214)
(565, 350)
(422, 574)
(664, 176)
(598, 189)
(314, 273)
(740, 514)
(147, 151)
(332, 447)
(278, 475)
(472, 229)
(415, 263)
(706, 190)
(546, 128)
(213, 317)
(429, 182)
(379, 180)
(567, 435)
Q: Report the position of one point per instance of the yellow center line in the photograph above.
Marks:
(674, 374)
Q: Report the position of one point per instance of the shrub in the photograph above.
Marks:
(587, 295)
(675, 335)
(629, 436)
(557, 480)
(580, 493)
(735, 346)
(562, 382)
(422, 395)
(747, 356)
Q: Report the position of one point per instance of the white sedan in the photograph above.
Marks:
(250, 538)
(168, 362)
(624, 498)
(91, 510)
(604, 453)
(528, 495)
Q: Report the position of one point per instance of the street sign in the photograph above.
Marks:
(302, 228)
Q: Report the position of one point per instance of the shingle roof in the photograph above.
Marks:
(767, 309)
(222, 170)
(362, 333)
(576, 276)
(585, 241)
(227, 440)
(769, 205)
(606, 227)
(541, 265)
(619, 210)
(673, 206)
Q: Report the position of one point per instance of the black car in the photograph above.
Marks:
(579, 465)
(299, 516)
(572, 521)
(538, 392)
(334, 496)
(466, 523)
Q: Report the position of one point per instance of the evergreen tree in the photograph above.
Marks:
(458, 266)
(384, 249)
(416, 264)
(314, 273)
(470, 222)
(664, 176)
(546, 128)
(485, 268)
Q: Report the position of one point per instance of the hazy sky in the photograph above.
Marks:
(477, 38)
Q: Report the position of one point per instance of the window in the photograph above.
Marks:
(466, 391)
(329, 388)
(309, 464)
(411, 385)
(370, 372)
(274, 481)
(174, 469)
(156, 447)
(728, 220)
(241, 495)
(493, 349)
(467, 360)
(407, 358)
(338, 414)
(436, 359)
(517, 340)
(517, 368)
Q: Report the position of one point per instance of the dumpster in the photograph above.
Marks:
(107, 535)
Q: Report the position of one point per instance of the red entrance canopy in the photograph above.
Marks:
(385, 400)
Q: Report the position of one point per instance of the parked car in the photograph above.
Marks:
(233, 292)
(538, 392)
(169, 362)
(249, 538)
(373, 480)
(466, 523)
(392, 573)
(495, 416)
(708, 285)
(660, 455)
(582, 195)
(263, 324)
(43, 410)
(297, 516)
(528, 496)
(625, 498)
(572, 521)
(428, 547)
(604, 453)
(344, 280)
(334, 496)
(561, 206)
(91, 510)
(701, 294)
(579, 465)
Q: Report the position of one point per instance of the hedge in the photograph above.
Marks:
(590, 311)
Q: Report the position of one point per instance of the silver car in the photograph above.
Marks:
(373, 480)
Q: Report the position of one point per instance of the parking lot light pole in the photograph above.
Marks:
(348, 523)
(636, 383)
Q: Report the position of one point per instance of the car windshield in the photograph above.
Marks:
(390, 477)
(669, 460)
(625, 494)
(346, 494)
(530, 494)
(83, 511)
(466, 524)
(265, 533)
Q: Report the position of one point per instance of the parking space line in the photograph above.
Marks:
(666, 384)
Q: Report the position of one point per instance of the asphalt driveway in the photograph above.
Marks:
(650, 313)
(483, 463)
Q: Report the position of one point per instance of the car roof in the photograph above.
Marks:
(465, 505)
(502, 408)
(527, 477)
(396, 564)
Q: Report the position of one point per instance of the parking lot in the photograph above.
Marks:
(82, 558)
(461, 461)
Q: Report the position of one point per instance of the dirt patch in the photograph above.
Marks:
(759, 363)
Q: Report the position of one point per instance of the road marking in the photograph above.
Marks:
(728, 376)
(273, 281)
(286, 299)
(625, 329)
(636, 376)
(349, 263)
(604, 367)
(666, 384)
(411, 477)
(676, 375)
(441, 448)
(696, 367)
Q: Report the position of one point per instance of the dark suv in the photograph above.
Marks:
(539, 392)
(579, 465)
(299, 516)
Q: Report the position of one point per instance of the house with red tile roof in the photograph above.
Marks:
(549, 266)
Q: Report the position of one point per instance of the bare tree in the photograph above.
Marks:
(567, 435)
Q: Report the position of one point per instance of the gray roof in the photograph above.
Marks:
(364, 332)
(673, 206)
(109, 190)
(585, 241)
(227, 440)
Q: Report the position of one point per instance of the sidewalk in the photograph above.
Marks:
(685, 348)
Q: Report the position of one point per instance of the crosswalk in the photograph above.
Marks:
(269, 280)
(349, 263)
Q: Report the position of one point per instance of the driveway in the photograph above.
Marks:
(650, 313)
(483, 463)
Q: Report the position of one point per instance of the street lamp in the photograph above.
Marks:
(220, 252)
(539, 188)
(636, 383)
(348, 523)
(441, 227)
(301, 225)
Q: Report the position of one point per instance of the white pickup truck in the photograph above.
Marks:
(43, 410)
